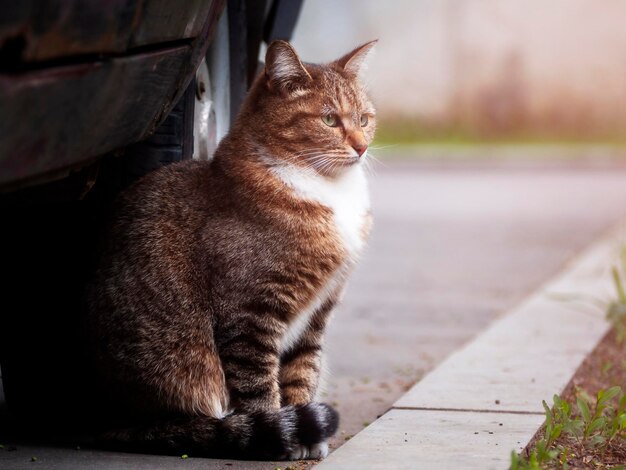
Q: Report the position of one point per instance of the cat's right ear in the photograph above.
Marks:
(283, 68)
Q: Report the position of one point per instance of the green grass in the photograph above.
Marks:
(616, 312)
(405, 133)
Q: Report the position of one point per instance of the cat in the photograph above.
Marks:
(208, 307)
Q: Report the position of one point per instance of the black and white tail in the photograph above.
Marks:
(291, 433)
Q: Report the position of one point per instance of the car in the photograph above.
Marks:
(94, 95)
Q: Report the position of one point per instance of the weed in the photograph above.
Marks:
(616, 313)
(593, 428)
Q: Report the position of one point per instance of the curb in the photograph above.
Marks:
(484, 400)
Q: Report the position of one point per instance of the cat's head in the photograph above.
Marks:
(317, 116)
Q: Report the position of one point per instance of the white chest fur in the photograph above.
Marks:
(348, 198)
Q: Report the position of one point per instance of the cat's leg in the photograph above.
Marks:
(300, 366)
(300, 371)
(249, 352)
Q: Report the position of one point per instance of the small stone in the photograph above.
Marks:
(184, 456)
(34, 459)
(497, 402)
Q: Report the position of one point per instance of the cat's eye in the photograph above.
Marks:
(330, 120)
(364, 120)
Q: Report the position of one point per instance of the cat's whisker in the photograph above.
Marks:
(372, 160)
(331, 165)
(302, 156)
(376, 159)
(317, 157)
(324, 164)
(379, 147)
(306, 152)
(312, 154)
(306, 157)
(314, 161)
(369, 168)
(314, 157)
(306, 161)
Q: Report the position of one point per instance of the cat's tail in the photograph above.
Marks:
(291, 433)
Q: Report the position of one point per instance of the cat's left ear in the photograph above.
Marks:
(354, 62)
(283, 68)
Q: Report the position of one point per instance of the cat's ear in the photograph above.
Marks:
(354, 62)
(283, 68)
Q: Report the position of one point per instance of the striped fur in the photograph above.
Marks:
(208, 309)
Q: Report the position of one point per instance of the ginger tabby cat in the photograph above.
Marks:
(209, 305)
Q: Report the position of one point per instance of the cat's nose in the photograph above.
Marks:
(360, 148)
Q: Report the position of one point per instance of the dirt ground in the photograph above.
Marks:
(605, 367)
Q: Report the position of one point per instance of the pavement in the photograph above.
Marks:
(455, 243)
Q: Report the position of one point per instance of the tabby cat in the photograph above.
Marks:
(209, 305)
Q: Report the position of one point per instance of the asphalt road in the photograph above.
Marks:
(453, 246)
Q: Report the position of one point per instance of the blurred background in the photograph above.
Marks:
(489, 69)
(500, 155)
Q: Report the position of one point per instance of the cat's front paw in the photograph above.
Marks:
(317, 422)
(314, 452)
(318, 451)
